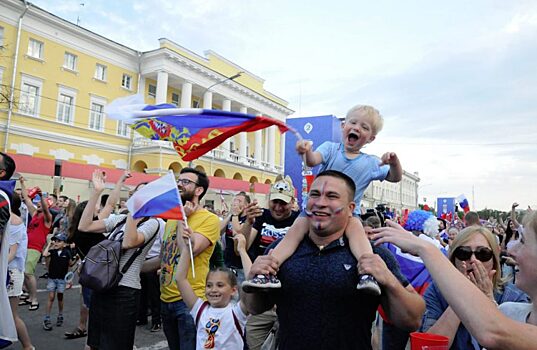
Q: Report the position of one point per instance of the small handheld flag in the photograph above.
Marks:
(160, 199)
(463, 202)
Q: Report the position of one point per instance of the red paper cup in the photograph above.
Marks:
(422, 341)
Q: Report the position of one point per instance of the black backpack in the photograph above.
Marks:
(100, 268)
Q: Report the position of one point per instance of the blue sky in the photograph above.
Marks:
(455, 81)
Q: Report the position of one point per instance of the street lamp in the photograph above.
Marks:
(233, 77)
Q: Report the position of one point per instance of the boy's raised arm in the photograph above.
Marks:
(303, 147)
(396, 170)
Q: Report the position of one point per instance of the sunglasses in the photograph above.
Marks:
(482, 254)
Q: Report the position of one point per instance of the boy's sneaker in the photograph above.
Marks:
(59, 320)
(260, 282)
(369, 285)
(47, 325)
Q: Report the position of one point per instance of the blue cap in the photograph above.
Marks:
(60, 237)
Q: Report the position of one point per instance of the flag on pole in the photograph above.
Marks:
(192, 131)
(463, 202)
(159, 198)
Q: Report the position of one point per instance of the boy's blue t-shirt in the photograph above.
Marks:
(363, 169)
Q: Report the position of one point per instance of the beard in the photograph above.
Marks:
(187, 196)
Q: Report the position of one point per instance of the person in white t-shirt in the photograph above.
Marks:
(220, 324)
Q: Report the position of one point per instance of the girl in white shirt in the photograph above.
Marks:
(219, 322)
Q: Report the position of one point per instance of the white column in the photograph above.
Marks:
(208, 100)
(243, 139)
(282, 150)
(271, 146)
(162, 87)
(226, 106)
(186, 95)
(258, 153)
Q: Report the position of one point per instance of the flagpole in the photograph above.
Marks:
(186, 226)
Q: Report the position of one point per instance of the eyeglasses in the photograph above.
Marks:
(186, 182)
(482, 254)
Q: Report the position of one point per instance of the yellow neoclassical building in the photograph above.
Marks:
(56, 77)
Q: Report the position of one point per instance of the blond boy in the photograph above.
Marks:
(361, 126)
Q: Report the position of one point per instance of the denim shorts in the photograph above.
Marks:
(56, 285)
(86, 296)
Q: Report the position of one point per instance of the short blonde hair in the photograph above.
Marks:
(465, 235)
(369, 111)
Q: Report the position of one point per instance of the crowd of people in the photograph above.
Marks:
(248, 277)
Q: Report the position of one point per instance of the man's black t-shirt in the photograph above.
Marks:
(59, 263)
(231, 259)
(85, 240)
(269, 230)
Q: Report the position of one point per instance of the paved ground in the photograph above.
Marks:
(55, 340)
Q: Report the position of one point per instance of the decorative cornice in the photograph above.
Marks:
(205, 72)
(65, 139)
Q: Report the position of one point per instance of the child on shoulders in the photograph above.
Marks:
(361, 126)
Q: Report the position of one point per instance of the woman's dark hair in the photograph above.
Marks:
(509, 233)
(16, 204)
(73, 224)
(230, 275)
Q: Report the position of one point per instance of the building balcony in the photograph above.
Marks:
(146, 145)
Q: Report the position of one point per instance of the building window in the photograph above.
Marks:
(69, 61)
(100, 72)
(1, 37)
(122, 128)
(96, 120)
(29, 102)
(175, 99)
(35, 49)
(126, 81)
(195, 104)
(65, 108)
(152, 90)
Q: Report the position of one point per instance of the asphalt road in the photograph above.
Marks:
(55, 339)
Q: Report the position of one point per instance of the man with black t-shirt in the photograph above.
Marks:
(261, 229)
(231, 226)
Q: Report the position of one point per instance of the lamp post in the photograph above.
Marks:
(233, 77)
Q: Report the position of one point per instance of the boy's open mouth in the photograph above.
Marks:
(353, 137)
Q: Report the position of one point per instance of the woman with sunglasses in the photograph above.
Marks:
(491, 328)
(475, 253)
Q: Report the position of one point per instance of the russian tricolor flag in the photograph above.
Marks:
(463, 202)
(160, 199)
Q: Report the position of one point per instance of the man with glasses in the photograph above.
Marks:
(178, 324)
(7, 168)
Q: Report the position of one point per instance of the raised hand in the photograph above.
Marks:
(98, 179)
(190, 208)
(389, 158)
(252, 211)
(303, 146)
(240, 242)
(126, 174)
(394, 233)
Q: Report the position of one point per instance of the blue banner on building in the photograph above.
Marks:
(316, 129)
